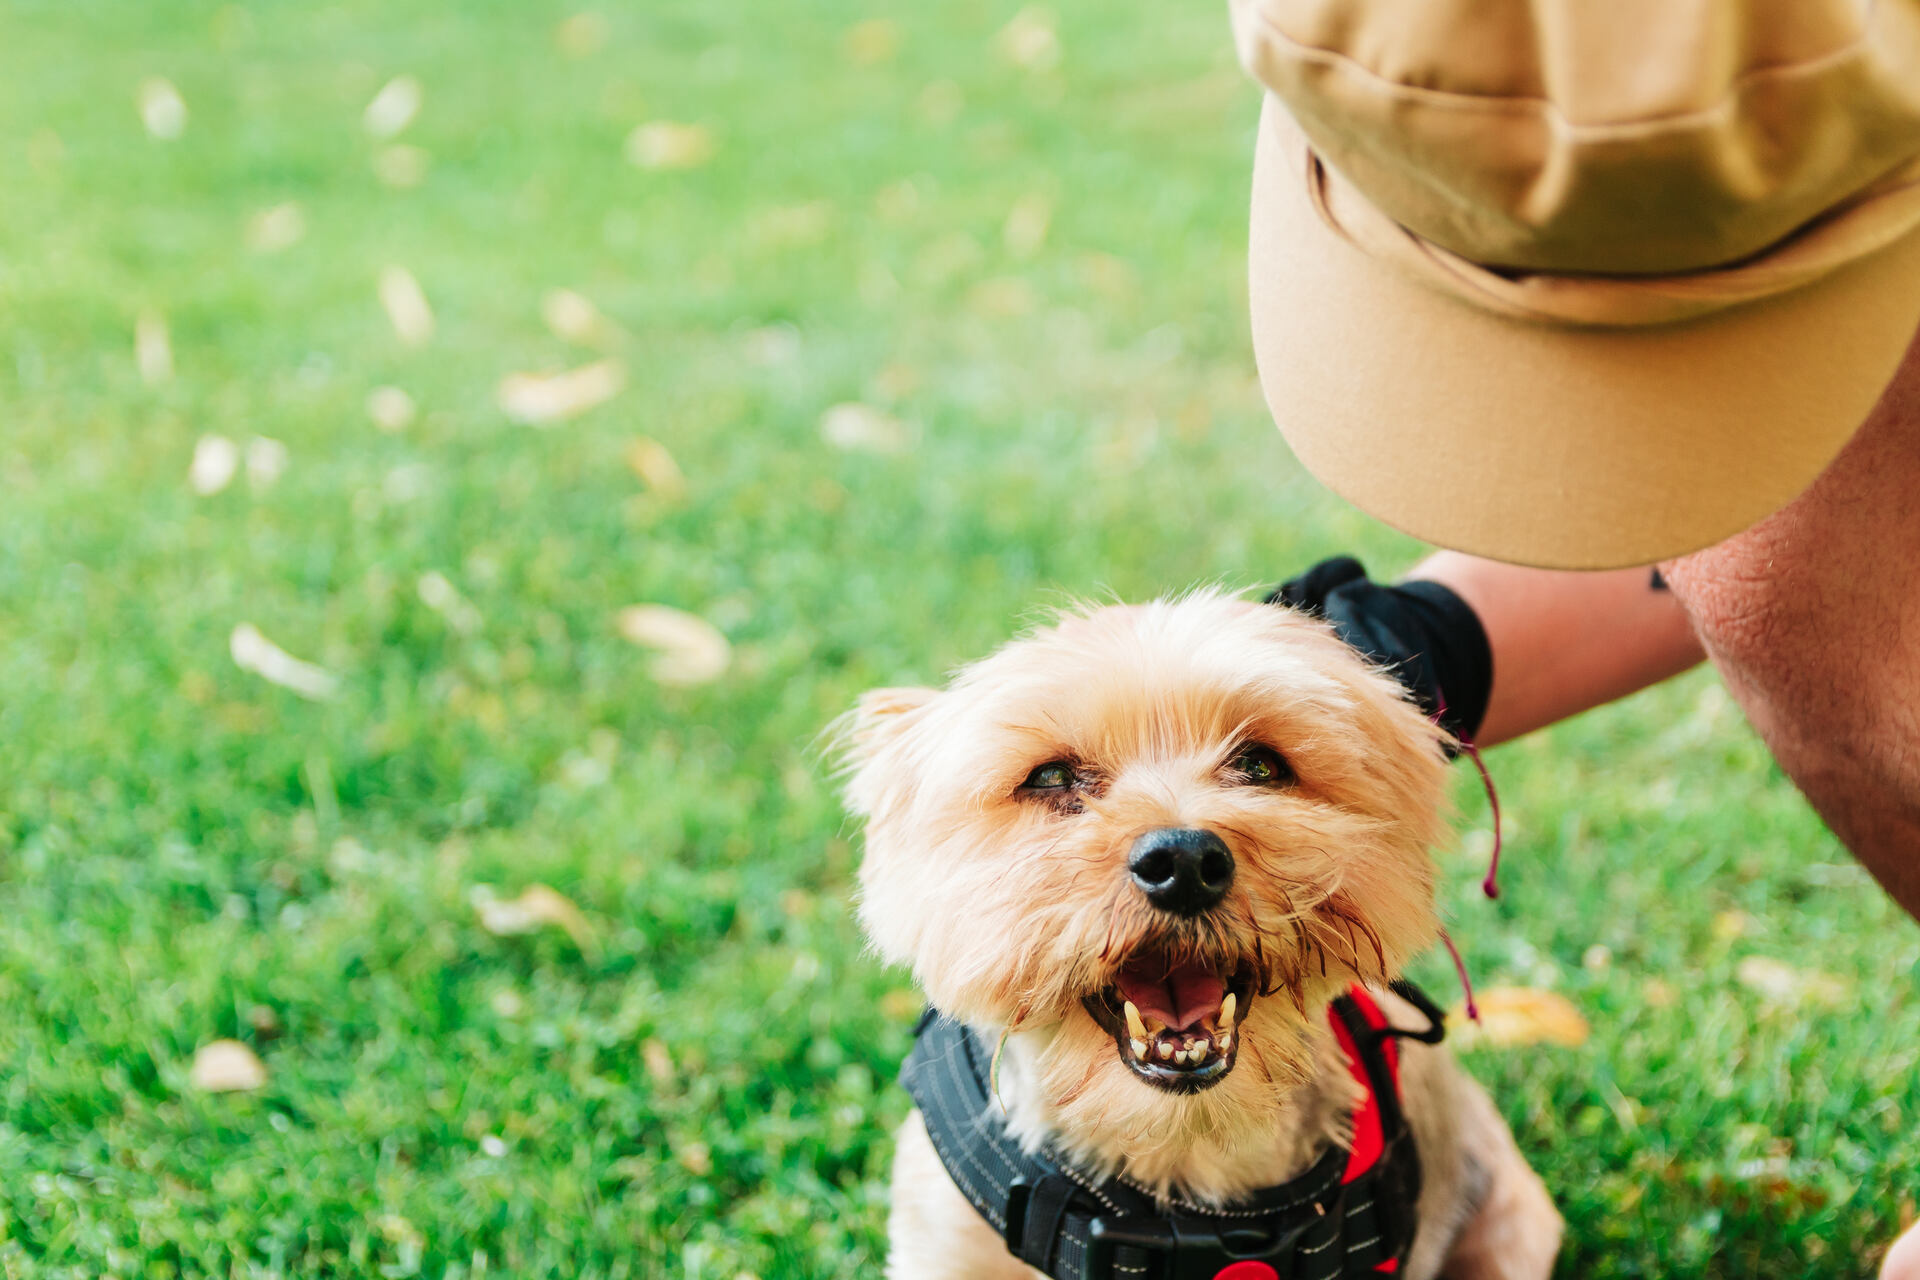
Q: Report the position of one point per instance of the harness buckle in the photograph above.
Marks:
(1192, 1250)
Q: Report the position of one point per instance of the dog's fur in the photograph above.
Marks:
(1011, 909)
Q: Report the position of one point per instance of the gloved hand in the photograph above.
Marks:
(1421, 631)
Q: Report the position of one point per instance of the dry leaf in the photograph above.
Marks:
(440, 595)
(162, 110)
(1523, 1015)
(215, 459)
(226, 1066)
(406, 306)
(658, 1060)
(666, 144)
(941, 102)
(873, 41)
(390, 408)
(695, 1157)
(795, 226)
(278, 228)
(862, 427)
(582, 34)
(1780, 983)
(1002, 297)
(1031, 41)
(773, 344)
(152, 348)
(393, 108)
(1729, 925)
(653, 464)
(541, 399)
(691, 650)
(266, 459)
(537, 906)
(254, 652)
(1025, 229)
(401, 165)
(572, 317)
(902, 1004)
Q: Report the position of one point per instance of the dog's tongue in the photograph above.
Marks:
(1179, 997)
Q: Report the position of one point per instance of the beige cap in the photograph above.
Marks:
(1581, 284)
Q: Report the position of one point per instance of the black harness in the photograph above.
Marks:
(1336, 1220)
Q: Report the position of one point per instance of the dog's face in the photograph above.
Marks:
(1156, 836)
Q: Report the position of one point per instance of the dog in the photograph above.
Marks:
(1156, 867)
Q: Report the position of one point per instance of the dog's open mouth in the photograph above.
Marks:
(1175, 1022)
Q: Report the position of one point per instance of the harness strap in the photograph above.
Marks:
(1347, 1216)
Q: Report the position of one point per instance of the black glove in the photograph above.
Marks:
(1421, 631)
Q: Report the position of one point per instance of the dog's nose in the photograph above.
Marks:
(1182, 870)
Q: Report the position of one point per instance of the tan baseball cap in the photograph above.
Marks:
(1581, 283)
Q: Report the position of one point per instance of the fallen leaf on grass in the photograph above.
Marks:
(582, 34)
(1780, 983)
(573, 317)
(537, 907)
(873, 41)
(653, 464)
(902, 1004)
(401, 165)
(390, 408)
(152, 348)
(393, 108)
(659, 1062)
(439, 594)
(1512, 1016)
(406, 306)
(266, 460)
(226, 1066)
(278, 228)
(255, 653)
(162, 110)
(215, 459)
(689, 649)
(1025, 229)
(1729, 925)
(863, 428)
(540, 399)
(668, 144)
(1031, 41)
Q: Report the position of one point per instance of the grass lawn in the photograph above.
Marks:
(1016, 240)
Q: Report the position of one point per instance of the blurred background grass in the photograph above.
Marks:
(1013, 238)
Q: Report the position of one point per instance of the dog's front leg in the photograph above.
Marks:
(1515, 1232)
(932, 1232)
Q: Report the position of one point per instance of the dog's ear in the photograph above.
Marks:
(862, 737)
(880, 715)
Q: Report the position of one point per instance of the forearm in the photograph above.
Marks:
(1564, 642)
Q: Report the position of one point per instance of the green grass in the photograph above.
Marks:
(187, 852)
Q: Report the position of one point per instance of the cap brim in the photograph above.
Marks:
(1549, 445)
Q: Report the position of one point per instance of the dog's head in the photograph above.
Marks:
(1159, 837)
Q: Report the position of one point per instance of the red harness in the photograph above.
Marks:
(1368, 1134)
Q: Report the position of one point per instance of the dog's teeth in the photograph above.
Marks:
(1166, 1050)
(1139, 1048)
(1135, 1027)
(1225, 1042)
(1227, 1007)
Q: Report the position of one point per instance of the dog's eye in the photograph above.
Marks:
(1261, 767)
(1055, 775)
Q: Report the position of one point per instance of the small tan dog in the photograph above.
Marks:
(1135, 858)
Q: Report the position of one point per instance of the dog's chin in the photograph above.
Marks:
(1175, 1024)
